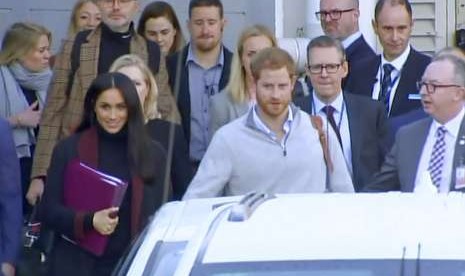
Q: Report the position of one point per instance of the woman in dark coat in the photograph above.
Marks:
(112, 139)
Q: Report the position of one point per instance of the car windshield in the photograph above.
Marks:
(334, 268)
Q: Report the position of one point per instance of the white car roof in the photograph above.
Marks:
(342, 226)
(303, 227)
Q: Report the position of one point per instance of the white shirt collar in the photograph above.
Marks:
(336, 104)
(350, 39)
(452, 126)
(263, 127)
(399, 62)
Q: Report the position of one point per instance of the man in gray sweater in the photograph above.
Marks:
(274, 148)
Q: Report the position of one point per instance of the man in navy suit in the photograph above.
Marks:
(428, 155)
(339, 20)
(391, 77)
(11, 215)
(199, 71)
(359, 122)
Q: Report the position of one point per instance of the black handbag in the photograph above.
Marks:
(37, 244)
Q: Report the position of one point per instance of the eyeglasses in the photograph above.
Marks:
(431, 87)
(333, 14)
(331, 68)
(109, 3)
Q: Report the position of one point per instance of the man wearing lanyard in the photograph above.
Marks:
(198, 72)
(427, 155)
(359, 122)
(339, 20)
(391, 77)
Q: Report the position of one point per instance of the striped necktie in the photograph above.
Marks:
(386, 84)
(437, 156)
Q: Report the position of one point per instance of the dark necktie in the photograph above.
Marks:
(437, 156)
(329, 110)
(386, 83)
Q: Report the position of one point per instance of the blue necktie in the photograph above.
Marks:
(386, 83)
(437, 156)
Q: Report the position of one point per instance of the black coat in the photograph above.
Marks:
(180, 170)
(69, 259)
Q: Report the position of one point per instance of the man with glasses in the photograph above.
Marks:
(359, 122)
(391, 76)
(427, 155)
(200, 71)
(82, 58)
(273, 148)
(339, 20)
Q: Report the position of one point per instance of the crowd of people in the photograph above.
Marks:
(179, 120)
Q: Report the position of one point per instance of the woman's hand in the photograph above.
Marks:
(36, 189)
(29, 117)
(105, 220)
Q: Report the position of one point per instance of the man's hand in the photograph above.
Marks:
(35, 191)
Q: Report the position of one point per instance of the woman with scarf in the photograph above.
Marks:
(111, 139)
(24, 78)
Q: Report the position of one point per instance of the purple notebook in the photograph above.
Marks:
(89, 190)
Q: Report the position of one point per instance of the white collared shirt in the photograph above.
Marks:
(350, 39)
(341, 119)
(398, 64)
(452, 127)
(271, 134)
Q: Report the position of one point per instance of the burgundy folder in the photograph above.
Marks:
(89, 190)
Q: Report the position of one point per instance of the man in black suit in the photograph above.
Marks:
(359, 122)
(199, 71)
(391, 77)
(339, 20)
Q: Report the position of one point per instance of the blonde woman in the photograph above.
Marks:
(24, 79)
(168, 134)
(239, 94)
(85, 15)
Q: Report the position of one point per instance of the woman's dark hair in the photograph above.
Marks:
(141, 160)
(162, 9)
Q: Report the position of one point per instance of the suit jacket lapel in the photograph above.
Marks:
(371, 77)
(226, 69)
(355, 129)
(406, 85)
(415, 147)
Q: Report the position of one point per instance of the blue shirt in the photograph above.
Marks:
(203, 83)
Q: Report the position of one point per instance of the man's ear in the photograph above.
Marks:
(345, 67)
(461, 94)
(375, 26)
